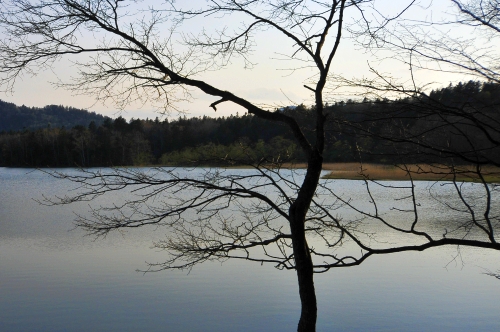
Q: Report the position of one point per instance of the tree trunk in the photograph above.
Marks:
(304, 268)
(302, 256)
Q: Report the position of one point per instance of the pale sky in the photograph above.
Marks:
(267, 83)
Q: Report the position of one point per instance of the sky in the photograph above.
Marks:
(269, 82)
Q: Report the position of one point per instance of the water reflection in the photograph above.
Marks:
(54, 279)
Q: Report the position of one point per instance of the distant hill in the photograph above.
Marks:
(13, 117)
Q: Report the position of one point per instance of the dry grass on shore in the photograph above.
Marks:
(356, 171)
(420, 172)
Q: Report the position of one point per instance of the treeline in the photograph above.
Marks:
(373, 130)
(144, 142)
(15, 118)
(455, 125)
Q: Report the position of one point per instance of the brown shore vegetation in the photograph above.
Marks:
(372, 171)
(417, 172)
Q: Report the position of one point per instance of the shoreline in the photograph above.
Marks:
(356, 171)
(418, 172)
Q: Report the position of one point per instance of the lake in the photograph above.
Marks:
(54, 278)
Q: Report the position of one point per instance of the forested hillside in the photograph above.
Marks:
(13, 117)
(372, 131)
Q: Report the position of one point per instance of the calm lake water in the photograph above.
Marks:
(54, 278)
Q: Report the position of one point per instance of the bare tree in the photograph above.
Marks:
(268, 215)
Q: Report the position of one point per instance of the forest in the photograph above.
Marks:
(15, 118)
(380, 131)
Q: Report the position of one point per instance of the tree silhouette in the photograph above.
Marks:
(268, 215)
